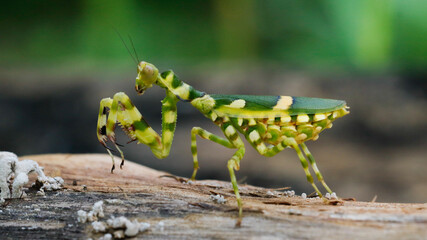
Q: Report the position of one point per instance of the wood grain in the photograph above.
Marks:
(187, 210)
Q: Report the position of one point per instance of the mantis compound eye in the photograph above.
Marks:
(148, 70)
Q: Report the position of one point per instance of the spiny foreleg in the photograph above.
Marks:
(101, 132)
(123, 111)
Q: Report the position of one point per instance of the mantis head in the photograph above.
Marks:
(147, 75)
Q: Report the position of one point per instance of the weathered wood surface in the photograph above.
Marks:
(187, 211)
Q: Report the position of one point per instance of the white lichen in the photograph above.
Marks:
(119, 222)
(331, 196)
(135, 227)
(97, 209)
(113, 201)
(51, 183)
(7, 164)
(107, 236)
(119, 234)
(289, 193)
(93, 215)
(160, 226)
(189, 182)
(270, 193)
(120, 226)
(132, 228)
(218, 198)
(81, 216)
(14, 175)
(99, 226)
(143, 226)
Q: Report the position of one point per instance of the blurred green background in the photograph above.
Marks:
(59, 58)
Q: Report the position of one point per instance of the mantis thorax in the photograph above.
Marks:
(204, 104)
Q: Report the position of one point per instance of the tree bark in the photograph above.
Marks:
(187, 211)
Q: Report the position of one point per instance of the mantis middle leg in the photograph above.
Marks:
(233, 141)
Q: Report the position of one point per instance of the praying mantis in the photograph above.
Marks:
(269, 123)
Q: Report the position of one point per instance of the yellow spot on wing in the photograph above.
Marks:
(284, 103)
(239, 103)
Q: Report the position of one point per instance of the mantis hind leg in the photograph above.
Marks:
(206, 135)
(234, 164)
(291, 142)
(314, 166)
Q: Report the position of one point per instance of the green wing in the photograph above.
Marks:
(265, 106)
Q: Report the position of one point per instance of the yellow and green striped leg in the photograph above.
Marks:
(133, 124)
(314, 166)
(233, 141)
(102, 126)
(254, 138)
(234, 163)
(291, 142)
(206, 135)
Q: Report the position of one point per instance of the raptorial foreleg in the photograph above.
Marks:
(101, 130)
(124, 112)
